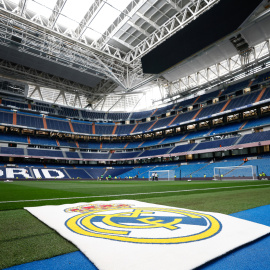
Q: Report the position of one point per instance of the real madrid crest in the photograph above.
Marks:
(127, 223)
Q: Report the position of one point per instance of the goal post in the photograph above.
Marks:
(166, 175)
(246, 172)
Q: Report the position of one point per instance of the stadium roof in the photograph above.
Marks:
(92, 49)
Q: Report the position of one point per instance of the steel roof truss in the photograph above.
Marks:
(138, 28)
(56, 12)
(156, 26)
(37, 89)
(89, 15)
(174, 5)
(22, 7)
(44, 79)
(123, 43)
(124, 16)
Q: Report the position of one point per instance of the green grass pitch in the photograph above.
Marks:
(24, 239)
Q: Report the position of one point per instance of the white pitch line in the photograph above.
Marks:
(134, 194)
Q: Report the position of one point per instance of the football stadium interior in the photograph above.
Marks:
(118, 90)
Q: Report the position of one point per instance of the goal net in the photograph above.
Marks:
(247, 172)
(162, 175)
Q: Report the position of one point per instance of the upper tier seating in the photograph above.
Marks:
(117, 116)
(92, 115)
(37, 121)
(120, 116)
(132, 145)
(56, 124)
(29, 120)
(155, 152)
(242, 100)
(48, 153)
(23, 165)
(236, 87)
(197, 134)
(72, 154)
(89, 145)
(163, 122)
(124, 155)
(42, 108)
(104, 129)
(185, 117)
(95, 156)
(212, 109)
(151, 143)
(266, 94)
(14, 104)
(261, 78)
(182, 148)
(67, 143)
(173, 139)
(42, 141)
(46, 141)
(208, 96)
(258, 122)
(69, 112)
(143, 127)
(116, 145)
(216, 144)
(11, 151)
(185, 103)
(6, 117)
(13, 138)
(124, 129)
(141, 115)
(82, 127)
(226, 128)
(163, 110)
(255, 137)
(44, 153)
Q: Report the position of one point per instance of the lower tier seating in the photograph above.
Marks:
(188, 170)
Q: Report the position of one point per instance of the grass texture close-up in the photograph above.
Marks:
(24, 238)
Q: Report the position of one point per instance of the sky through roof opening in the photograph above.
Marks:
(73, 13)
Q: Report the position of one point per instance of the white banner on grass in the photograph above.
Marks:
(128, 234)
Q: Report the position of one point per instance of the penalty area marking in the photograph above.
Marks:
(134, 194)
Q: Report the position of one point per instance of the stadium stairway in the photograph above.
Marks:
(67, 173)
(171, 150)
(233, 169)
(146, 173)
(195, 145)
(140, 171)
(200, 169)
(141, 153)
(188, 170)
(238, 140)
(110, 155)
(243, 125)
